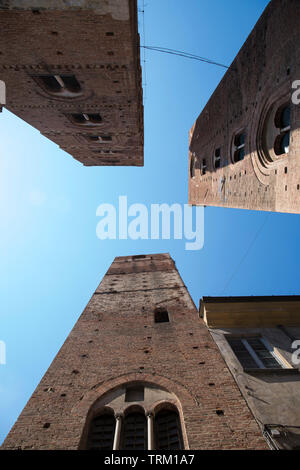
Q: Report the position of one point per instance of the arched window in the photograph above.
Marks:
(86, 119)
(217, 158)
(283, 125)
(65, 86)
(203, 167)
(134, 432)
(101, 432)
(192, 166)
(167, 431)
(134, 258)
(274, 132)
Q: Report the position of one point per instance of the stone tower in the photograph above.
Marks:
(72, 70)
(139, 370)
(245, 145)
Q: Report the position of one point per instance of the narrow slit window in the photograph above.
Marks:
(134, 435)
(283, 124)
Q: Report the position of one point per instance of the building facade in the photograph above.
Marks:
(72, 70)
(139, 370)
(245, 146)
(259, 339)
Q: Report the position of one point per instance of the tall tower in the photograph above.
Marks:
(72, 70)
(245, 145)
(139, 370)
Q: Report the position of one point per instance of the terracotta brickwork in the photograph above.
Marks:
(96, 113)
(238, 155)
(117, 342)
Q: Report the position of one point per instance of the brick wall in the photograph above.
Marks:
(260, 76)
(116, 341)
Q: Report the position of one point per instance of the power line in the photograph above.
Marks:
(144, 48)
(187, 55)
(247, 252)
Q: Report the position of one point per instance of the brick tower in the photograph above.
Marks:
(258, 337)
(139, 370)
(245, 145)
(72, 70)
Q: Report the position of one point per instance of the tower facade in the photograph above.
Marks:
(72, 70)
(139, 370)
(245, 145)
(259, 338)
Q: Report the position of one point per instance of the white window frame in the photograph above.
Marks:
(268, 347)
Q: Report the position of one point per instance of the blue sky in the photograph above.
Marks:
(51, 259)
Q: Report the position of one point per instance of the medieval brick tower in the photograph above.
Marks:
(258, 338)
(138, 371)
(72, 70)
(245, 145)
